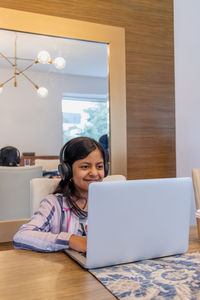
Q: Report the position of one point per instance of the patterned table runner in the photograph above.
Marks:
(174, 277)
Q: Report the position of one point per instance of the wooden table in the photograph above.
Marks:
(34, 276)
(194, 242)
(26, 275)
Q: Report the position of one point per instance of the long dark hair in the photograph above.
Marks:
(75, 149)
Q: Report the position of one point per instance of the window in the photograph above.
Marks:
(86, 115)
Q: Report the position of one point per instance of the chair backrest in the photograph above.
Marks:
(114, 178)
(47, 164)
(15, 191)
(196, 185)
(41, 187)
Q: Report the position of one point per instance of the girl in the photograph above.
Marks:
(61, 221)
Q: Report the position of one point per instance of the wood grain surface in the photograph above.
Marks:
(31, 275)
(149, 73)
(194, 243)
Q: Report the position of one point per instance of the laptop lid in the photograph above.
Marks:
(137, 219)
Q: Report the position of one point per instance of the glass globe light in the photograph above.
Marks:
(59, 63)
(44, 57)
(42, 92)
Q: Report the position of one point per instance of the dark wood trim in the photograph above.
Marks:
(32, 158)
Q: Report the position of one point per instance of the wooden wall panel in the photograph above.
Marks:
(149, 69)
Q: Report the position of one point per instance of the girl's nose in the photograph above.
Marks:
(93, 171)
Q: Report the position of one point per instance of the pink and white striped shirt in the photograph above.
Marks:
(50, 227)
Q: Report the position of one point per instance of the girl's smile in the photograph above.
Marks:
(87, 170)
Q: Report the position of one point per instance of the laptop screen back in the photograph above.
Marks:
(137, 219)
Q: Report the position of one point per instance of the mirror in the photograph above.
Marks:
(76, 102)
(114, 37)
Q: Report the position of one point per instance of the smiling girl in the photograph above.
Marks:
(61, 221)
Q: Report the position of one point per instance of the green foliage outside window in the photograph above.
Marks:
(97, 123)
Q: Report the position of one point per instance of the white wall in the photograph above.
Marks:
(34, 124)
(187, 86)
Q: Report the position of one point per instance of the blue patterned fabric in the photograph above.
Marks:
(174, 277)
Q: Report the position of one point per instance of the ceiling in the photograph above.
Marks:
(83, 58)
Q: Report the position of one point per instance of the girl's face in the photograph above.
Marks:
(87, 170)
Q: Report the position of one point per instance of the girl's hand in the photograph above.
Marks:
(78, 243)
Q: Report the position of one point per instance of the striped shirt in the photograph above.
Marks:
(51, 227)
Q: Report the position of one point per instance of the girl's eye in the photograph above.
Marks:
(100, 167)
(84, 167)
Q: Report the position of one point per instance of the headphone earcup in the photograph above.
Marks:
(106, 162)
(106, 169)
(0, 159)
(65, 171)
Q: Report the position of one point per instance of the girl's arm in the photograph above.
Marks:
(42, 233)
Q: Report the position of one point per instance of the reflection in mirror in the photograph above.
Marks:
(77, 101)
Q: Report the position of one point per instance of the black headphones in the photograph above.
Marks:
(65, 169)
(9, 156)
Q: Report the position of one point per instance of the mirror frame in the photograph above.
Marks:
(115, 38)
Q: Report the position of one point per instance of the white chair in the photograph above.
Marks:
(114, 178)
(15, 191)
(15, 198)
(41, 187)
(47, 164)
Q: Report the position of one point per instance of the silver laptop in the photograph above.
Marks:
(136, 219)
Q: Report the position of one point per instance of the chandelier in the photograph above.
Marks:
(43, 57)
